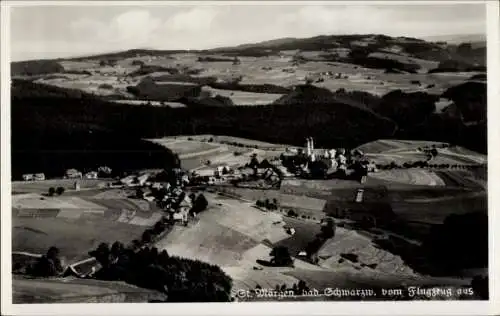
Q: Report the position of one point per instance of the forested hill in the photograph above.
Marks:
(39, 122)
(333, 124)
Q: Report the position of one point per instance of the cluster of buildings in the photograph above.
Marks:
(33, 177)
(337, 161)
(174, 201)
(71, 174)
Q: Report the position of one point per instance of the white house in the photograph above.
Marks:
(128, 180)
(180, 217)
(91, 175)
(39, 176)
(27, 177)
(142, 178)
(342, 159)
(73, 173)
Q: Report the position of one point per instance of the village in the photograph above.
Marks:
(323, 209)
(172, 190)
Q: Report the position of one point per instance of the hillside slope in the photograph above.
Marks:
(71, 290)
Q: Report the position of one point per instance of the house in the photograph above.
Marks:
(73, 174)
(39, 176)
(186, 204)
(28, 177)
(141, 180)
(180, 216)
(129, 180)
(205, 172)
(156, 185)
(359, 195)
(91, 175)
(290, 231)
(104, 170)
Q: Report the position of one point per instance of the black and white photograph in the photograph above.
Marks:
(247, 152)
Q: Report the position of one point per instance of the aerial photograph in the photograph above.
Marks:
(248, 153)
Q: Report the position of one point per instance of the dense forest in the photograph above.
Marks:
(66, 129)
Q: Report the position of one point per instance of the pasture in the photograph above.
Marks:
(187, 148)
(305, 232)
(303, 205)
(394, 145)
(419, 210)
(26, 290)
(244, 98)
(195, 152)
(351, 242)
(410, 176)
(74, 237)
(19, 187)
(225, 234)
(77, 224)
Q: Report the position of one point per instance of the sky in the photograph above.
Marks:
(39, 32)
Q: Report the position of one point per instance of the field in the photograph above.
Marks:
(410, 176)
(352, 242)
(77, 224)
(26, 290)
(392, 145)
(277, 69)
(234, 235)
(243, 142)
(246, 98)
(400, 151)
(236, 226)
(463, 178)
(43, 186)
(419, 210)
(194, 152)
(305, 232)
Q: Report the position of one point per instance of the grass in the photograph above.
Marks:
(256, 71)
(77, 224)
(441, 207)
(26, 290)
(247, 98)
(195, 151)
(462, 179)
(410, 176)
(305, 232)
(226, 234)
(74, 238)
(392, 145)
(43, 186)
(186, 147)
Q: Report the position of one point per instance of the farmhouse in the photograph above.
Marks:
(91, 175)
(73, 173)
(129, 180)
(142, 178)
(27, 177)
(180, 216)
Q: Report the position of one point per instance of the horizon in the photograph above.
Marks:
(78, 31)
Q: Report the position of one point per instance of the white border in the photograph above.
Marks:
(304, 308)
